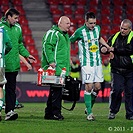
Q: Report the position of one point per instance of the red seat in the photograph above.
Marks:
(4, 8)
(92, 8)
(20, 9)
(105, 11)
(118, 2)
(56, 18)
(53, 7)
(80, 11)
(4, 2)
(23, 20)
(115, 28)
(81, 22)
(118, 10)
(71, 30)
(26, 31)
(81, 2)
(73, 22)
(105, 29)
(53, 2)
(128, 2)
(57, 12)
(105, 2)
(36, 67)
(68, 11)
(68, 2)
(105, 20)
(23, 68)
(17, 2)
(77, 17)
(28, 40)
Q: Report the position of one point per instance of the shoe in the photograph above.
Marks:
(48, 117)
(11, 115)
(129, 118)
(58, 117)
(90, 117)
(54, 117)
(0, 116)
(85, 111)
(19, 105)
(111, 116)
(3, 107)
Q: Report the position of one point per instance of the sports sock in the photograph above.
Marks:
(1, 104)
(93, 96)
(87, 99)
(16, 102)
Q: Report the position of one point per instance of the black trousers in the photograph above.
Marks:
(122, 83)
(54, 101)
(10, 91)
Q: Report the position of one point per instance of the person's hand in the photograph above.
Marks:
(111, 56)
(104, 49)
(31, 59)
(29, 66)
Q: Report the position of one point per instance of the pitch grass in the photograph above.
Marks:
(31, 120)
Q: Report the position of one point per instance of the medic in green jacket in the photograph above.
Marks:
(56, 48)
(12, 59)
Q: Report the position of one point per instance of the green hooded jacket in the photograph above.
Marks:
(12, 60)
(56, 48)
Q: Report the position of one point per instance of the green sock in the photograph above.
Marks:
(87, 99)
(17, 102)
(1, 104)
(3, 95)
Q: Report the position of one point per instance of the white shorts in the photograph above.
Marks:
(92, 74)
(2, 76)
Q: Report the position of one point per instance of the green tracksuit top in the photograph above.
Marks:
(5, 46)
(56, 48)
(12, 60)
(88, 44)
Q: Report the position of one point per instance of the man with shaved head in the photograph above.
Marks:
(122, 69)
(56, 53)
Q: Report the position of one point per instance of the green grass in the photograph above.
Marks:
(31, 120)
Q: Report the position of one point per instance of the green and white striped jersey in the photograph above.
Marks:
(5, 46)
(88, 44)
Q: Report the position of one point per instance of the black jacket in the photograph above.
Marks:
(121, 63)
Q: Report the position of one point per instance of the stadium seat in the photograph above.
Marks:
(20, 9)
(68, 2)
(4, 2)
(26, 30)
(57, 12)
(28, 40)
(81, 2)
(4, 8)
(73, 22)
(23, 68)
(105, 3)
(23, 20)
(105, 11)
(68, 11)
(80, 11)
(71, 30)
(55, 18)
(105, 20)
(17, 2)
(53, 2)
(81, 22)
(118, 2)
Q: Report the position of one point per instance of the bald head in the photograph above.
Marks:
(64, 23)
(125, 27)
